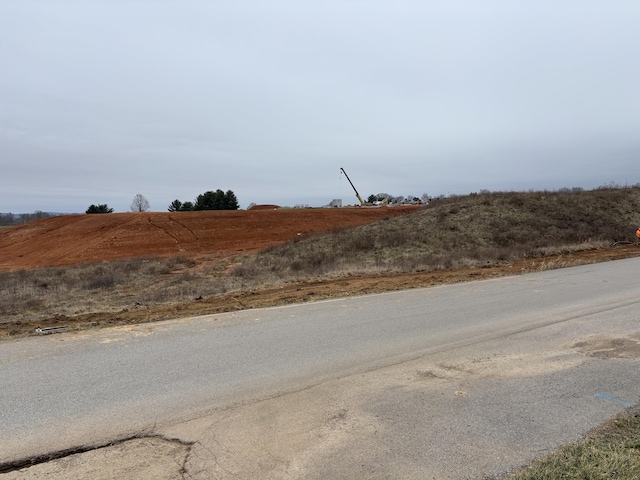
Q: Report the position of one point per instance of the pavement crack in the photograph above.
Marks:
(216, 459)
(27, 462)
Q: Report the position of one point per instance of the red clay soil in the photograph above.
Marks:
(74, 239)
(215, 235)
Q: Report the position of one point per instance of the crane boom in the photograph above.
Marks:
(354, 188)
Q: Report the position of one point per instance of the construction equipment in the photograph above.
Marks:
(354, 188)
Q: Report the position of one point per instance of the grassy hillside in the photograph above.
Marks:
(462, 231)
(467, 231)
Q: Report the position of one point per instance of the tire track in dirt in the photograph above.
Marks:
(75, 239)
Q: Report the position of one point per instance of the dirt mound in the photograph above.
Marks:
(74, 239)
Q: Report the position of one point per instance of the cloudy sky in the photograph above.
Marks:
(101, 100)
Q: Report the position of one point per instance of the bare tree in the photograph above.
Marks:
(139, 204)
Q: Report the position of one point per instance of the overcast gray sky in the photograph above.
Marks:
(101, 100)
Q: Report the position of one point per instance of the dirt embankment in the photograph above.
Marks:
(74, 239)
(92, 238)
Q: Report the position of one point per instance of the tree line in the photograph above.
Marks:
(7, 219)
(210, 200)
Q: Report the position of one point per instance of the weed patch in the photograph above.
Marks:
(459, 232)
(611, 450)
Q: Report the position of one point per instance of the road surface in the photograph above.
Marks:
(448, 382)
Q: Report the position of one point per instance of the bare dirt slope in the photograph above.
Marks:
(92, 238)
(73, 239)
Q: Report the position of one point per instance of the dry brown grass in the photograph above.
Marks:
(612, 450)
(477, 230)
(461, 232)
(106, 286)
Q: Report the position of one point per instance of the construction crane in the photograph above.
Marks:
(354, 188)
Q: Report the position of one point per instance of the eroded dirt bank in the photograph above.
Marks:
(74, 239)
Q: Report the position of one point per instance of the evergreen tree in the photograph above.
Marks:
(103, 208)
(209, 200)
(231, 201)
(175, 206)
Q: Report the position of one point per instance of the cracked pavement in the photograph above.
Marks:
(145, 457)
(461, 414)
(458, 410)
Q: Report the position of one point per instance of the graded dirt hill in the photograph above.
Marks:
(74, 239)
(217, 237)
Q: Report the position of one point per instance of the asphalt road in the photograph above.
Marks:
(526, 340)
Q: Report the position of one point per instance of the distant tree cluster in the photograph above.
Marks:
(210, 200)
(102, 208)
(20, 218)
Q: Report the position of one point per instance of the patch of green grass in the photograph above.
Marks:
(611, 451)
